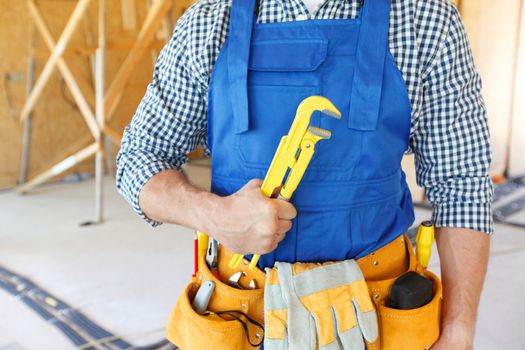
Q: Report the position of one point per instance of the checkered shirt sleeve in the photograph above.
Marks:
(449, 133)
(171, 120)
(451, 142)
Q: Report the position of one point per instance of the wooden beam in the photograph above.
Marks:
(487, 22)
(75, 18)
(515, 165)
(28, 123)
(99, 89)
(69, 77)
(59, 168)
(115, 45)
(78, 87)
(128, 14)
(151, 24)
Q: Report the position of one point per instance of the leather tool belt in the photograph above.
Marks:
(415, 329)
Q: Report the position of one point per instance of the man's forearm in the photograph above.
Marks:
(464, 258)
(244, 222)
(170, 197)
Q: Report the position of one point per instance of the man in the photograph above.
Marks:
(233, 91)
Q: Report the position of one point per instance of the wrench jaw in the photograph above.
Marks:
(318, 103)
(322, 134)
(304, 114)
(331, 113)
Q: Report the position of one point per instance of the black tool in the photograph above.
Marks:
(411, 291)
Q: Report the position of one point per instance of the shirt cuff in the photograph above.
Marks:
(135, 180)
(473, 216)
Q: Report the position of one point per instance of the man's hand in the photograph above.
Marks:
(245, 222)
(248, 222)
(464, 256)
(457, 341)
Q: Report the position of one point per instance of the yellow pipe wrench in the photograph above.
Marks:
(294, 153)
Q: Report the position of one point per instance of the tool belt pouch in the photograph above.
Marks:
(219, 327)
(415, 329)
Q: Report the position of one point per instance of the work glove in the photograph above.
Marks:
(318, 306)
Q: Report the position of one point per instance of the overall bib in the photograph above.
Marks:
(353, 198)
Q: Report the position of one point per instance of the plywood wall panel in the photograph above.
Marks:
(517, 141)
(493, 28)
(56, 124)
(10, 130)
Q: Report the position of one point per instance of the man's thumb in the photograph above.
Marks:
(254, 183)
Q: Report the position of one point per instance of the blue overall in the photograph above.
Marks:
(353, 198)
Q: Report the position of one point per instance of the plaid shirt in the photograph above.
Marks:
(449, 134)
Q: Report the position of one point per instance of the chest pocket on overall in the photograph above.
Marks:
(282, 73)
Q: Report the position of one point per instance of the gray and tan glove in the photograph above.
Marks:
(318, 306)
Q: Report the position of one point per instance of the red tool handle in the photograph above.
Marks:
(195, 257)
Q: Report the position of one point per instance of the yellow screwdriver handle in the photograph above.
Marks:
(202, 246)
(236, 260)
(254, 261)
(424, 242)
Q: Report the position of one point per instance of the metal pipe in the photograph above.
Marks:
(100, 114)
(26, 138)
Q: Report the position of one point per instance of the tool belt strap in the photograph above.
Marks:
(386, 263)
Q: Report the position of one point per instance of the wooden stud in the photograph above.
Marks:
(515, 165)
(99, 89)
(88, 50)
(90, 41)
(59, 168)
(26, 138)
(75, 18)
(105, 103)
(129, 15)
(84, 86)
(72, 82)
(151, 24)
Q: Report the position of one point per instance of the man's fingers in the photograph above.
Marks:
(286, 211)
(279, 237)
(283, 226)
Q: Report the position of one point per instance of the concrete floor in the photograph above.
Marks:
(126, 276)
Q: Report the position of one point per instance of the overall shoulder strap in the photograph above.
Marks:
(241, 25)
(370, 63)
